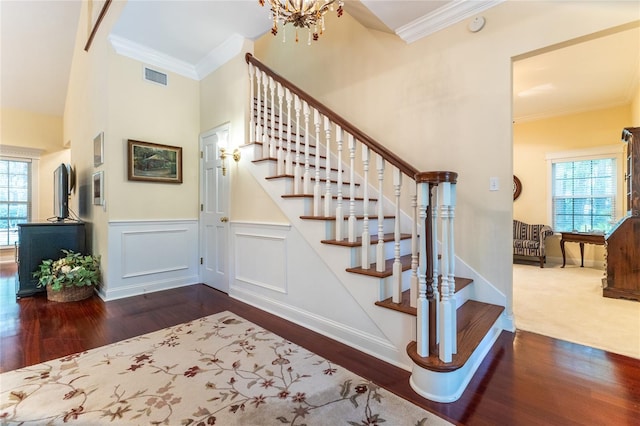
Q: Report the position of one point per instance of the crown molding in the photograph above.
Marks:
(443, 17)
(20, 151)
(220, 55)
(150, 56)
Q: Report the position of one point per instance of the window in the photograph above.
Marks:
(15, 198)
(584, 195)
(585, 186)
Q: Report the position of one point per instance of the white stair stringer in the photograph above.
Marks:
(397, 327)
(449, 386)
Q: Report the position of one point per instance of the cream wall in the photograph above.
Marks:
(533, 140)
(27, 129)
(223, 99)
(149, 112)
(444, 102)
(635, 105)
(107, 94)
(85, 115)
(31, 130)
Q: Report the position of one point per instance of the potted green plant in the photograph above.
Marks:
(69, 278)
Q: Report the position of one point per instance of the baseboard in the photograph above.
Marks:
(144, 288)
(354, 338)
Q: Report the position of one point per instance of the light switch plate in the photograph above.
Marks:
(494, 184)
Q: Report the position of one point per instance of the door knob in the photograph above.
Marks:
(224, 219)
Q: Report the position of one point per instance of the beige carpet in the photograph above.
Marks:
(218, 370)
(567, 303)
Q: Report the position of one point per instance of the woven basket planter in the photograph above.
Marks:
(69, 294)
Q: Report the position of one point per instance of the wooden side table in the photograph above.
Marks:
(582, 238)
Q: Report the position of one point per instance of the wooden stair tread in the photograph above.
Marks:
(474, 319)
(311, 166)
(388, 268)
(405, 304)
(346, 199)
(293, 149)
(323, 181)
(358, 242)
(358, 217)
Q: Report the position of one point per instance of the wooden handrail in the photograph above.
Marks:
(436, 177)
(375, 146)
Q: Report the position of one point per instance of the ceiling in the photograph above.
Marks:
(37, 39)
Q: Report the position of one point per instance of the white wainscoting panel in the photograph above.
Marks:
(147, 256)
(260, 260)
(275, 269)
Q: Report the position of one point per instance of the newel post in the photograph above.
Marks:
(436, 310)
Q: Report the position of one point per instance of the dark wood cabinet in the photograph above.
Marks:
(40, 241)
(622, 279)
(631, 138)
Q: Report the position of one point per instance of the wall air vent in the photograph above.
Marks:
(154, 76)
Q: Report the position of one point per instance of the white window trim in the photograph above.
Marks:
(10, 152)
(595, 153)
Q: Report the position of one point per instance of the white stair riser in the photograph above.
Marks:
(388, 226)
(389, 252)
(359, 206)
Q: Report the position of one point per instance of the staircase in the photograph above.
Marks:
(344, 191)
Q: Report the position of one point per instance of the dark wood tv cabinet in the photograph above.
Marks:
(40, 241)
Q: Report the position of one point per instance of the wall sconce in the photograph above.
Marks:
(223, 159)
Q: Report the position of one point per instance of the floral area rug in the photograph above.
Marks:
(217, 370)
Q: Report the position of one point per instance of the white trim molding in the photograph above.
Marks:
(220, 55)
(146, 55)
(20, 151)
(443, 17)
(214, 59)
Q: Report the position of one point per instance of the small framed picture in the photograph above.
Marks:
(98, 149)
(98, 188)
(153, 162)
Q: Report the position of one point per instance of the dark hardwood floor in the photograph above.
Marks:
(526, 379)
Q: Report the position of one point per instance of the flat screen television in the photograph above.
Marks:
(61, 192)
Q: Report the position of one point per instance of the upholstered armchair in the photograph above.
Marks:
(528, 240)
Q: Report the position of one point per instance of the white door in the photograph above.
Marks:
(214, 211)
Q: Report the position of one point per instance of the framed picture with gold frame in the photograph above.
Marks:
(154, 162)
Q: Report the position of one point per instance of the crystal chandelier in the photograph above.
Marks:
(302, 14)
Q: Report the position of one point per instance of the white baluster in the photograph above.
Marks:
(297, 169)
(380, 260)
(307, 141)
(413, 291)
(422, 325)
(366, 240)
(264, 138)
(435, 261)
(253, 114)
(272, 139)
(288, 161)
(339, 213)
(452, 260)
(327, 192)
(352, 189)
(397, 265)
(316, 187)
(280, 143)
(447, 305)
